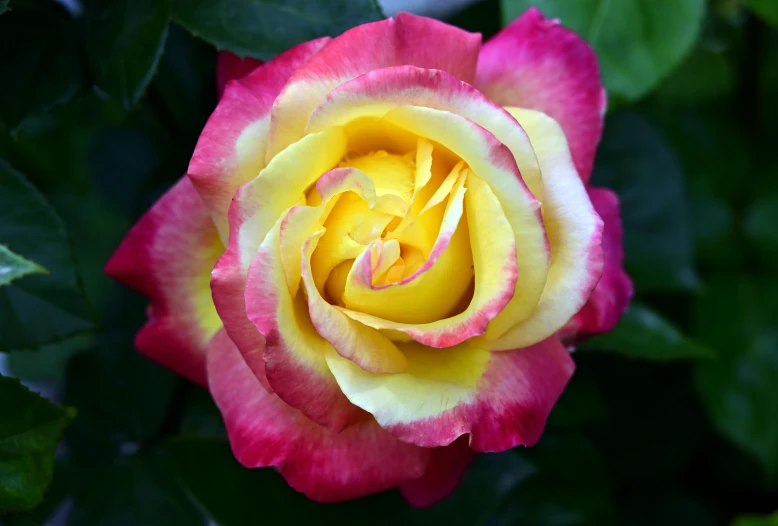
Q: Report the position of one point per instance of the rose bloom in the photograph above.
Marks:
(383, 249)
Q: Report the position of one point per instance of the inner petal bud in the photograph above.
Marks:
(404, 239)
(393, 175)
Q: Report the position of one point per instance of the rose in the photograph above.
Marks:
(399, 234)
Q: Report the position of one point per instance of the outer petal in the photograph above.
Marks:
(501, 398)
(325, 465)
(168, 256)
(614, 291)
(231, 148)
(574, 231)
(231, 67)
(447, 467)
(405, 39)
(538, 64)
(376, 93)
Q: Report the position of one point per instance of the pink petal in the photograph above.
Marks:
(231, 67)
(168, 256)
(325, 465)
(231, 148)
(613, 293)
(403, 40)
(502, 399)
(538, 64)
(513, 401)
(228, 285)
(446, 469)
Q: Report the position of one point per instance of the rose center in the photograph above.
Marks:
(409, 220)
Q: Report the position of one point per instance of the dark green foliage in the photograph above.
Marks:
(14, 266)
(636, 162)
(264, 28)
(739, 315)
(40, 62)
(124, 42)
(638, 42)
(30, 428)
(42, 306)
(766, 9)
(643, 333)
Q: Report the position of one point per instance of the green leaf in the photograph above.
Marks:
(643, 400)
(49, 362)
(634, 161)
(124, 43)
(44, 514)
(233, 495)
(133, 490)
(185, 84)
(765, 9)
(13, 266)
(768, 81)
(201, 416)
(644, 334)
(488, 483)
(30, 427)
(637, 42)
(713, 194)
(713, 222)
(759, 225)
(39, 61)
(115, 413)
(481, 16)
(580, 404)
(96, 229)
(228, 492)
(556, 494)
(66, 133)
(754, 520)
(37, 309)
(693, 133)
(738, 316)
(705, 75)
(665, 507)
(264, 28)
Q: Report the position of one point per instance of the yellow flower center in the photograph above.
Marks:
(413, 189)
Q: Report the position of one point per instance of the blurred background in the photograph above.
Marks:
(672, 419)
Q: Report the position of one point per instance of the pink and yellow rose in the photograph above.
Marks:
(380, 243)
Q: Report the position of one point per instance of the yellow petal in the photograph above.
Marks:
(282, 184)
(435, 381)
(363, 345)
(574, 233)
(495, 165)
(436, 288)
